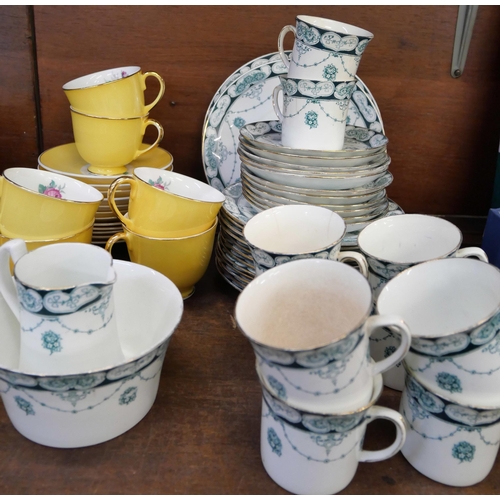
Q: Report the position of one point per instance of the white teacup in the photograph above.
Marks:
(62, 295)
(396, 243)
(311, 123)
(324, 49)
(308, 322)
(449, 443)
(318, 454)
(452, 307)
(292, 232)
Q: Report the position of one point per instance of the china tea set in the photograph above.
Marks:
(341, 292)
(85, 335)
(415, 315)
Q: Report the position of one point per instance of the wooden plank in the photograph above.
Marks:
(18, 121)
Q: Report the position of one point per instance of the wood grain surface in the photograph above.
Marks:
(18, 114)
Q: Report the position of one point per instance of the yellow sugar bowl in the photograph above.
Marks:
(38, 205)
(166, 204)
(182, 260)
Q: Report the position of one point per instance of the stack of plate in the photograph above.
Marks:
(338, 180)
(241, 151)
(66, 160)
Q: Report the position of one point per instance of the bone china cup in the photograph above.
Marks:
(449, 443)
(92, 406)
(313, 123)
(291, 232)
(38, 205)
(396, 243)
(62, 295)
(316, 453)
(452, 307)
(324, 49)
(109, 144)
(166, 204)
(182, 260)
(308, 322)
(116, 93)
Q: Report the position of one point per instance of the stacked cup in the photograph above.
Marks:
(451, 400)
(170, 225)
(320, 81)
(308, 322)
(394, 244)
(110, 117)
(43, 208)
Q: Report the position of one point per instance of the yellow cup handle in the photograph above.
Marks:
(158, 126)
(162, 88)
(116, 237)
(111, 195)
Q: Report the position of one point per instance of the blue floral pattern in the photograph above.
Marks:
(448, 382)
(24, 405)
(52, 342)
(128, 396)
(463, 451)
(277, 386)
(311, 119)
(274, 441)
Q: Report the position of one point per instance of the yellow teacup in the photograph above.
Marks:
(38, 205)
(166, 204)
(117, 92)
(109, 144)
(84, 236)
(182, 260)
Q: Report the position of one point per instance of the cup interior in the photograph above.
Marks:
(443, 297)
(178, 184)
(65, 265)
(101, 77)
(303, 304)
(409, 238)
(53, 185)
(295, 229)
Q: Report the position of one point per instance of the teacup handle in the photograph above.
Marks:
(358, 258)
(116, 237)
(476, 252)
(111, 195)
(281, 38)
(375, 322)
(13, 249)
(276, 107)
(160, 93)
(374, 413)
(158, 126)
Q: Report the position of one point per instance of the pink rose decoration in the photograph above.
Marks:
(53, 192)
(159, 186)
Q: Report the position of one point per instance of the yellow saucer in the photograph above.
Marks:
(66, 160)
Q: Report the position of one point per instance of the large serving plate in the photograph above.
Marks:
(246, 97)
